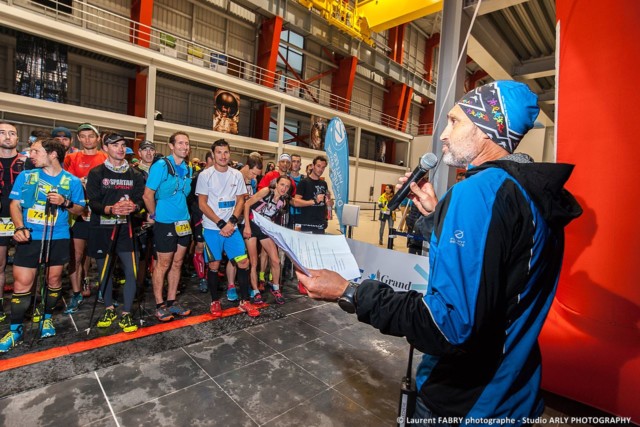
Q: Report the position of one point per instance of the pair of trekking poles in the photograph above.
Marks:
(109, 263)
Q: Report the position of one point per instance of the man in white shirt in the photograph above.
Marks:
(220, 190)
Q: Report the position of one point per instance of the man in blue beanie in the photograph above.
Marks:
(496, 245)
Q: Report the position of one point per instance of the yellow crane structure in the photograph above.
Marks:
(368, 16)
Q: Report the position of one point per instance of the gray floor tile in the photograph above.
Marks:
(285, 333)
(329, 408)
(203, 404)
(365, 336)
(327, 358)
(228, 352)
(377, 387)
(133, 383)
(76, 401)
(269, 387)
(328, 317)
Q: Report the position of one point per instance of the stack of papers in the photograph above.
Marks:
(312, 251)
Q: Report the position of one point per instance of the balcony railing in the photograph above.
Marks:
(105, 22)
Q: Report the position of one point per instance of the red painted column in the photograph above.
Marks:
(396, 42)
(140, 31)
(268, 44)
(591, 340)
(267, 59)
(342, 83)
(429, 53)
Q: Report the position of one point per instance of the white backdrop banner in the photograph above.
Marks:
(400, 270)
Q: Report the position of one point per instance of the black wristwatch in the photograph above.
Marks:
(347, 301)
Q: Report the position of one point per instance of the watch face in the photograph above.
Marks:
(347, 305)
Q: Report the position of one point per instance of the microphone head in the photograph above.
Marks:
(428, 161)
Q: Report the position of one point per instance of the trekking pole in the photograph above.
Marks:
(107, 268)
(134, 261)
(49, 221)
(39, 268)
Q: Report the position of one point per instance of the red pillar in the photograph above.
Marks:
(267, 59)
(268, 44)
(590, 342)
(429, 53)
(140, 31)
(342, 83)
(396, 42)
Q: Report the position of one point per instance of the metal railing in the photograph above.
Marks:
(105, 22)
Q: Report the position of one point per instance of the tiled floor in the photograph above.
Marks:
(305, 363)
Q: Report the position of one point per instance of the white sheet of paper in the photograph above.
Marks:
(312, 251)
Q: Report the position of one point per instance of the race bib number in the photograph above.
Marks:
(112, 219)
(183, 228)
(35, 215)
(6, 227)
(226, 204)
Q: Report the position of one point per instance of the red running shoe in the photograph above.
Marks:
(302, 289)
(249, 308)
(215, 309)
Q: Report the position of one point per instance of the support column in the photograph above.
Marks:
(342, 83)
(396, 105)
(140, 34)
(281, 113)
(429, 53)
(267, 59)
(268, 44)
(142, 17)
(396, 43)
(452, 39)
(151, 104)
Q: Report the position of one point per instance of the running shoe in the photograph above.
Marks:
(179, 310)
(215, 309)
(249, 308)
(48, 330)
(278, 296)
(107, 318)
(163, 314)
(261, 285)
(126, 323)
(257, 300)
(11, 339)
(203, 287)
(232, 293)
(74, 304)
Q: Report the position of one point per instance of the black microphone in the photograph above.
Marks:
(427, 162)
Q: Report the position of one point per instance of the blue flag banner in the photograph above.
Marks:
(337, 147)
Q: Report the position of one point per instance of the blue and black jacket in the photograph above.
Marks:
(496, 250)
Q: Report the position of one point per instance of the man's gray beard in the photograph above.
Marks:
(449, 160)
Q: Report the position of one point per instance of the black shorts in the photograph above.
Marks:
(257, 232)
(166, 239)
(6, 224)
(100, 241)
(27, 254)
(80, 229)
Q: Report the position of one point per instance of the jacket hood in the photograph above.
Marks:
(544, 183)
